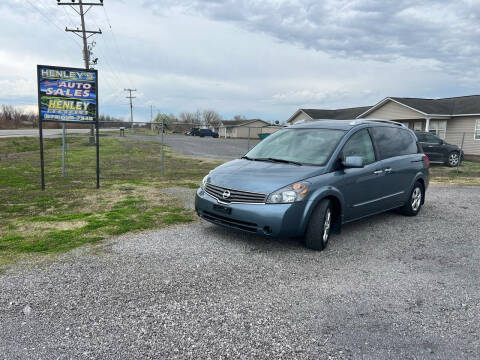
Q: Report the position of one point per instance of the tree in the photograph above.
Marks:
(197, 118)
(211, 118)
(13, 118)
(163, 118)
(239, 117)
(186, 117)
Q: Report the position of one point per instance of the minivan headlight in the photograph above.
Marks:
(289, 194)
(204, 182)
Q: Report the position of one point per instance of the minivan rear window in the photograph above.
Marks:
(393, 141)
(306, 146)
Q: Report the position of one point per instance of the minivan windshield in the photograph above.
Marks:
(301, 146)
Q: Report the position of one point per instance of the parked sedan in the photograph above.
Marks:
(438, 151)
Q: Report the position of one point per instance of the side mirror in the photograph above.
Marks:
(354, 162)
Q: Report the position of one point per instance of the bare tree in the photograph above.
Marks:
(13, 118)
(197, 118)
(239, 117)
(211, 118)
(186, 117)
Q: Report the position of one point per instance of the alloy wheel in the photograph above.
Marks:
(416, 198)
(453, 159)
(326, 226)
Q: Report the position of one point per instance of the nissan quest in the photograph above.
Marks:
(309, 179)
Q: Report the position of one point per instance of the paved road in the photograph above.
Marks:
(225, 149)
(390, 287)
(46, 132)
(203, 147)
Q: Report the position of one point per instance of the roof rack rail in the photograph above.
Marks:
(386, 122)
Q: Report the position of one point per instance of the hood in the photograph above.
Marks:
(260, 176)
(452, 146)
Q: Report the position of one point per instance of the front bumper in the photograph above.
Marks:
(274, 220)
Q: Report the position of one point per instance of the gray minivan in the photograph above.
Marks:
(308, 179)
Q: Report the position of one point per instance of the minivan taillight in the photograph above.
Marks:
(426, 161)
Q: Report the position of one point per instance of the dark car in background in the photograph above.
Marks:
(308, 179)
(438, 151)
(201, 132)
(206, 132)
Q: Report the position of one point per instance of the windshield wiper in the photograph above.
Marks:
(279, 160)
(247, 158)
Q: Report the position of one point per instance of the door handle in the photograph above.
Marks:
(388, 170)
(378, 172)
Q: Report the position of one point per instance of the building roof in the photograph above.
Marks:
(334, 114)
(337, 114)
(241, 122)
(453, 106)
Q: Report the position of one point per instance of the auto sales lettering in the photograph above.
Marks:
(67, 94)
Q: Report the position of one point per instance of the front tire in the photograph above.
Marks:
(453, 159)
(415, 200)
(319, 226)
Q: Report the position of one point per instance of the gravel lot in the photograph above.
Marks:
(224, 149)
(387, 287)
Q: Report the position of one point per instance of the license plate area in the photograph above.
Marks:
(222, 209)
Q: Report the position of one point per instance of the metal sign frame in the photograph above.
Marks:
(41, 120)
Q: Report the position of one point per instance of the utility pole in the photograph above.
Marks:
(131, 104)
(84, 36)
(83, 31)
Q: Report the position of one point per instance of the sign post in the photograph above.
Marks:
(67, 95)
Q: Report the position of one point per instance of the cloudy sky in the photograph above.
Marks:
(257, 58)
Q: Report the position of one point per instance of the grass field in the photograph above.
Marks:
(71, 211)
(468, 174)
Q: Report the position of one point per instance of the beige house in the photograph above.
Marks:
(454, 119)
(242, 128)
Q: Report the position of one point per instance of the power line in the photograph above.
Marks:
(115, 43)
(121, 57)
(48, 20)
(116, 73)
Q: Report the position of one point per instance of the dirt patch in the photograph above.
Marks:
(39, 227)
(16, 155)
(185, 195)
(105, 199)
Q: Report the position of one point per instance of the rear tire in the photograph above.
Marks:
(453, 159)
(415, 200)
(319, 226)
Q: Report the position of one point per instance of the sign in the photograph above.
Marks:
(67, 94)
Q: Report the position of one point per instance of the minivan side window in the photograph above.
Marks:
(360, 144)
(393, 141)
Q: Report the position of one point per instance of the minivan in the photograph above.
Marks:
(308, 179)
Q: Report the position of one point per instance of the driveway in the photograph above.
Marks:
(389, 287)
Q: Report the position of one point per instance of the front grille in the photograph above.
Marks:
(236, 196)
(238, 224)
